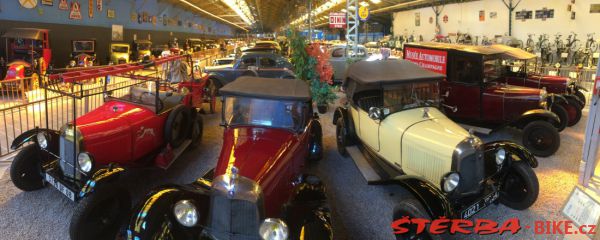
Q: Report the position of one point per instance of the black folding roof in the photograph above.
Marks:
(384, 72)
(270, 88)
(484, 50)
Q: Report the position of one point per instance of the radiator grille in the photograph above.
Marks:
(429, 164)
(472, 173)
(234, 219)
(68, 151)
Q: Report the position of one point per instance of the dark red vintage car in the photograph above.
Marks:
(138, 125)
(28, 55)
(474, 95)
(83, 53)
(259, 191)
(519, 73)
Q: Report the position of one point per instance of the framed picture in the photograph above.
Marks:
(581, 208)
(110, 13)
(595, 8)
(117, 32)
(417, 19)
(482, 15)
(48, 2)
(493, 15)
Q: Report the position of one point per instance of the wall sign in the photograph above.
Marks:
(433, 60)
(75, 11)
(363, 13)
(48, 2)
(91, 8)
(430, 20)
(110, 13)
(99, 5)
(337, 20)
(493, 15)
(29, 4)
(523, 15)
(63, 5)
(482, 15)
(544, 14)
(595, 8)
(417, 19)
(445, 18)
(117, 32)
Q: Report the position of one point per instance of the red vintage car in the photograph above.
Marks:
(474, 95)
(517, 61)
(142, 126)
(28, 56)
(259, 191)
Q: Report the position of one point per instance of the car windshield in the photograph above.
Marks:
(120, 49)
(144, 46)
(492, 70)
(263, 112)
(409, 96)
(265, 45)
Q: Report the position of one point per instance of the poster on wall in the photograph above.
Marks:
(544, 14)
(445, 19)
(48, 2)
(482, 15)
(117, 32)
(110, 13)
(595, 8)
(75, 11)
(99, 5)
(430, 20)
(63, 5)
(417, 19)
(91, 8)
(493, 15)
(523, 15)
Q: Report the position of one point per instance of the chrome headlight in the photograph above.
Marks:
(273, 229)
(186, 213)
(451, 181)
(42, 139)
(543, 96)
(85, 162)
(500, 156)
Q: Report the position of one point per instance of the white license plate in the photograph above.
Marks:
(481, 204)
(564, 55)
(60, 187)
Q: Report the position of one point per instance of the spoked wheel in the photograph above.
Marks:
(520, 188)
(573, 111)
(100, 215)
(412, 208)
(541, 138)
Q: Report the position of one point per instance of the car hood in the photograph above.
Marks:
(254, 151)
(515, 91)
(547, 81)
(220, 67)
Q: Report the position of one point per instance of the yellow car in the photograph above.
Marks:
(119, 53)
(394, 128)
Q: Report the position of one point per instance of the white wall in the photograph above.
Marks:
(464, 17)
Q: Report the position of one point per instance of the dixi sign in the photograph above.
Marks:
(429, 59)
(337, 20)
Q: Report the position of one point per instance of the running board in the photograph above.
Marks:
(173, 154)
(363, 164)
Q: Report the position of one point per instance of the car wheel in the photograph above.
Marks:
(100, 215)
(563, 115)
(197, 130)
(574, 111)
(26, 170)
(520, 187)
(177, 126)
(541, 138)
(341, 133)
(581, 97)
(315, 147)
(412, 208)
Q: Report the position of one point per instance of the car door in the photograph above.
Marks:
(338, 62)
(246, 64)
(462, 88)
(369, 128)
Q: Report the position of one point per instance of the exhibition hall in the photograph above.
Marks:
(299, 119)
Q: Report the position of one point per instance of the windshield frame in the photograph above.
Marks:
(500, 69)
(306, 111)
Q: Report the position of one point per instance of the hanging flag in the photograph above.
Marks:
(99, 5)
(91, 8)
(75, 11)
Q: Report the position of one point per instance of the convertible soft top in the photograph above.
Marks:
(26, 33)
(515, 53)
(384, 72)
(270, 88)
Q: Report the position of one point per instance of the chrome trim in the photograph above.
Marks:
(234, 186)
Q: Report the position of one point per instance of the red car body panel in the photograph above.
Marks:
(121, 132)
(272, 157)
(553, 84)
(16, 70)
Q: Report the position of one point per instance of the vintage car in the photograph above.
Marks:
(86, 157)
(224, 61)
(141, 50)
(28, 56)
(251, 64)
(392, 128)
(268, 44)
(194, 45)
(517, 61)
(479, 100)
(84, 53)
(339, 60)
(119, 53)
(259, 191)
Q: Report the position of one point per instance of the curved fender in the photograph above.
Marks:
(556, 98)
(218, 77)
(536, 114)
(574, 98)
(432, 198)
(308, 188)
(101, 176)
(316, 139)
(513, 149)
(29, 135)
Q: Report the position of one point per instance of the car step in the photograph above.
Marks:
(363, 164)
(173, 155)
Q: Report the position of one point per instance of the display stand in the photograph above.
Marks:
(583, 205)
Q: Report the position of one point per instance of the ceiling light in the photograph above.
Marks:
(212, 15)
(375, 1)
(364, 4)
(241, 9)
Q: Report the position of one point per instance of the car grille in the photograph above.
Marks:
(68, 151)
(472, 173)
(234, 218)
(429, 164)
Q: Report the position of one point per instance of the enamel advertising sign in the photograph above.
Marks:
(337, 20)
(433, 60)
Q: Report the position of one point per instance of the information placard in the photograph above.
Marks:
(581, 208)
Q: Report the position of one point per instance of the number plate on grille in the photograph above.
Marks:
(60, 187)
(481, 204)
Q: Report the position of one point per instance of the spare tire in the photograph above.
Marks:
(178, 125)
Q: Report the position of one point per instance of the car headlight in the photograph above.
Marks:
(85, 162)
(543, 96)
(186, 213)
(451, 181)
(500, 156)
(42, 139)
(273, 229)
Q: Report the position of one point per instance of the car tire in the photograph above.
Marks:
(520, 187)
(574, 112)
(541, 138)
(101, 214)
(563, 115)
(581, 97)
(177, 125)
(412, 208)
(315, 147)
(197, 131)
(26, 170)
(342, 137)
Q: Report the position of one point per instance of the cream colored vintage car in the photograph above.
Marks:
(394, 131)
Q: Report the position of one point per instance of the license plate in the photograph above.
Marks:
(60, 187)
(564, 55)
(481, 204)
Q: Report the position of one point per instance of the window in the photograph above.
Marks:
(247, 62)
(410, 96)
(492, 70)
(264, 112)
(266, 62)
(339, 52)
(464, 70)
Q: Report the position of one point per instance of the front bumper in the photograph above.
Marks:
(69, 187)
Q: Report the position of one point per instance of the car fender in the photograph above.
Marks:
(432, 198)
(533, 115)
(100, 177)
(512, 149)
(556, 99)
(343, 112)
(574, 98)
(218, 77)
(29, 136)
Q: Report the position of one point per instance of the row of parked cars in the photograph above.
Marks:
(397, 124)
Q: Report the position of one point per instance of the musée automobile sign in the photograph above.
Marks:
(337, 20)
(429, 59)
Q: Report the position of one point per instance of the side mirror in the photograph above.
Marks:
(375, 113)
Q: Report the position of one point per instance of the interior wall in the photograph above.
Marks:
(464, 17)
